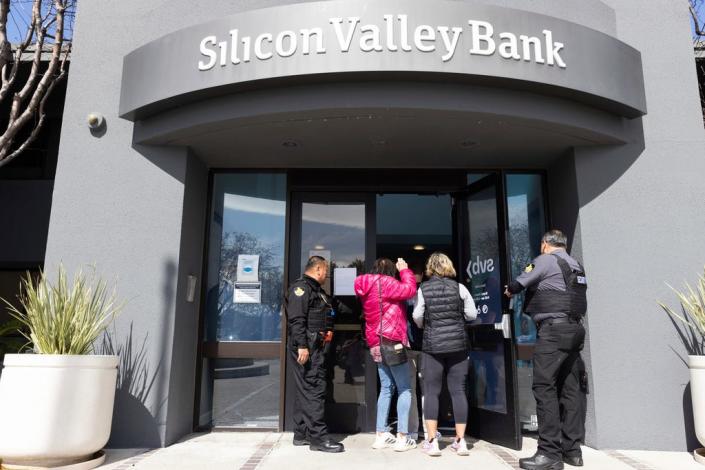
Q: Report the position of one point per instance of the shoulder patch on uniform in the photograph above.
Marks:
(298, 292)
(529, 267)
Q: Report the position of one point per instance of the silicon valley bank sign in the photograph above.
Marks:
(392, 33)
(348, 40)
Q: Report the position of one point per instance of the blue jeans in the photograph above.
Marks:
(391, 377)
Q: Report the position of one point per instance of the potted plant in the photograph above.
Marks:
(56, 405)
(690, 323)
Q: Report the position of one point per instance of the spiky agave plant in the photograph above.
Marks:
(691, 316)
(64, 319)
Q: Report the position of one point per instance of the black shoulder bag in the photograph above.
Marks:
(393, 352)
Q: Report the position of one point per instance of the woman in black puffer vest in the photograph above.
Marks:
(443, 306)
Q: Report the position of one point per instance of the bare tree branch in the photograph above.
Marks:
(28, 106)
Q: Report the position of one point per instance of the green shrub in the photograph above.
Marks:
(691, 316)
(61, 318)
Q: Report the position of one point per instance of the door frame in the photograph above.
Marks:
(486, 424)
(297, 198)
(369, 181)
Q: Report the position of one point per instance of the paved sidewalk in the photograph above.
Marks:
(273, 451)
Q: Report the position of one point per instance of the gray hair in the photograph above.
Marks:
(555, 238)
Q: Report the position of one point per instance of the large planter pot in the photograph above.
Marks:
(697, 392)
(55, 409)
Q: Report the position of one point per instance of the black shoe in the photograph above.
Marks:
(301, 441)
(575, 461)
(541, 462)
(327, 446)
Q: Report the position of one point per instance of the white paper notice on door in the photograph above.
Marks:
(344, 281)
(248, 293)
(247, 268)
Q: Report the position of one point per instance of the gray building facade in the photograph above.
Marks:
(275, 108)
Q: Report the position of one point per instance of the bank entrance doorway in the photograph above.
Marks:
(466, 219)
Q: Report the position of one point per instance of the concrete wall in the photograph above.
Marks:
(642, 224)
(137, 213)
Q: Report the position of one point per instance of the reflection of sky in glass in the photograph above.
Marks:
(338, 228)
(525, 207)
(258, 216)
(249, 219)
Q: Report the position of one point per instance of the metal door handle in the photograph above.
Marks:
(505, 325)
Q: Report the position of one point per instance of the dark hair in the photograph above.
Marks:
(314, 261)
(555, 238)
(384, 266)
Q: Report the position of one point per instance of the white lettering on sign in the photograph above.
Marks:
(393, 33)
(477, 267)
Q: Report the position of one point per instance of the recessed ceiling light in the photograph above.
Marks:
(419, 247)
(319, 247)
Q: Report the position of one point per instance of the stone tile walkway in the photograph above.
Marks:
(274, 451)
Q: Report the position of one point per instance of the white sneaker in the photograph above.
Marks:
(382, 441)
(404, 443)
(459, 447)
(431, 448)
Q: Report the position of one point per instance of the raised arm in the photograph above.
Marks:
(403, 289)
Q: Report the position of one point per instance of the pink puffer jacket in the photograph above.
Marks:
(394, 295)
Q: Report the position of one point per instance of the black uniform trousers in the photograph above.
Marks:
(559, 392)
(309, 399)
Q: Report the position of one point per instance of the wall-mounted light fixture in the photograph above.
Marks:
(95, 120)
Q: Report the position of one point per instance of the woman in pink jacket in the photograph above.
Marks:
(383, 303)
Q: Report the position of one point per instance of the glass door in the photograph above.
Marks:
(340, 228)
(482, 254)
(239, 367)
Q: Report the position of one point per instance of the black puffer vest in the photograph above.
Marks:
(444, 322)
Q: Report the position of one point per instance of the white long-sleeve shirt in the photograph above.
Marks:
(469, 309)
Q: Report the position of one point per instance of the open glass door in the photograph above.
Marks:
(482, 254)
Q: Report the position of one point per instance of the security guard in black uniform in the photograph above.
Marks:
(310, 312)
(555, 286)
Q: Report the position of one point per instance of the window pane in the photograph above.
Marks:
(525, 206)
(245, 393)
(248, 219)
(526, 210)
(484, 267)
(336, 231)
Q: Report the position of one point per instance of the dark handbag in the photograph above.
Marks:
(393, 352)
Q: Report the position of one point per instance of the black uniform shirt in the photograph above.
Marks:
(297, 304)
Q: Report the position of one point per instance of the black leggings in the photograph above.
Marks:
(456, 366)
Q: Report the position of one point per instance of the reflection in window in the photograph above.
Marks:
(245, 392)
(525, 207)
(248, 219)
